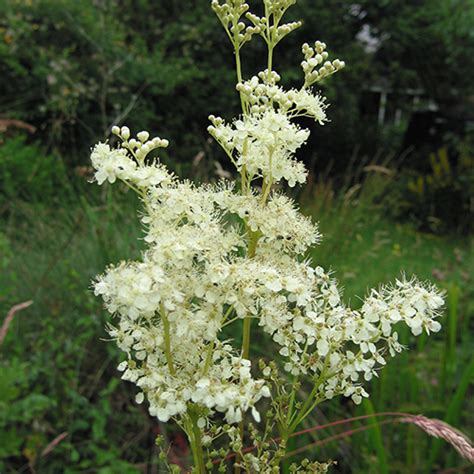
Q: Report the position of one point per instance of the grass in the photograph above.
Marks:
(62, 376)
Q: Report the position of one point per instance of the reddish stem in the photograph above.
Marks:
(344, 434)
(327, 425)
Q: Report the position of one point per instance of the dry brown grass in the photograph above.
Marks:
(11, 314)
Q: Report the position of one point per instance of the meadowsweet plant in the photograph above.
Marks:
(233, 254)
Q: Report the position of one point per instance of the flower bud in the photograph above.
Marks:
(125, 133)
(143, 136)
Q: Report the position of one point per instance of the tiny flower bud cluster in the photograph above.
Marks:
(230, 14)
(272, 31)
(230, 9)
(315, 57)
(143, 146)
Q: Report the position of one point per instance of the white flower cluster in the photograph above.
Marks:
(217, 255)
(261, 91)
(335, 345)
(173, 305)
(317, 56)
(226, 387)
(111, 165)
(264, 140)
(264, 144)
(279, 224)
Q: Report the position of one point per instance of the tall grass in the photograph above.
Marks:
(57, 375)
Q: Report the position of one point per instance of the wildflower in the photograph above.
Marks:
(221, 254)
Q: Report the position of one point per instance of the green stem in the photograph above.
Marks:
(267, 187)
(134, 188)
(269, 43)
(238, 65)
(243, 180)
(244, 184)
(310, 402)
(285, 463)
(292, 400)
(238, 62)
(166, 329)
(270, 60)
(302, 417)
(253, 242)
(195, 440)
(252, 248)
(197, 437)
(207, 364)
(246, 338)
(297, 420)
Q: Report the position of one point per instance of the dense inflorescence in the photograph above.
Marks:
(223, 254)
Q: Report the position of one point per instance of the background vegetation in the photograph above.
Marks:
(389, 198)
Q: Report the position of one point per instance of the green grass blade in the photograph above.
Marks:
(453, 411)
(376, 440)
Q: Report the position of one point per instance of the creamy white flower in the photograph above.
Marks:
(199, 273)
(264, 144)
(219, 254)
(259, 92)
(110, 165)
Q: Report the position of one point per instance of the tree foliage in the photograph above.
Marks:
(71, 67)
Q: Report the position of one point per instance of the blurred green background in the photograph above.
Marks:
(391, 183)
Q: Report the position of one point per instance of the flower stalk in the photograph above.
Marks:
(222, 254)
(167, 338)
